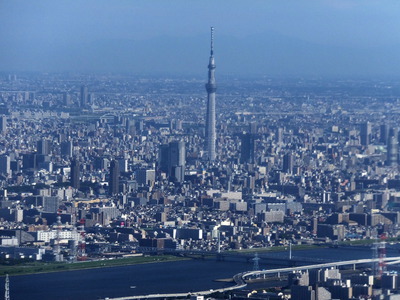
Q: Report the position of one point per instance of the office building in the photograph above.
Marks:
(67, 99)
(177, 159)
(43, 147)
(3, 124)
(113, 183)
(384, 133)
(288, 163)
(365, 134)
(392, 148)
(172, 160)
(66, 148)
(29, 161)
(5, 168)
(84, 96)
(247, 148)
(145, 177)
(75, 174)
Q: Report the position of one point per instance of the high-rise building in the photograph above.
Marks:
(123, 164)
(75, 173)
(365, 134)
(130, 127)
(145, 177)
(3, 124)
(279, 135)
(392, 147)
(5, 165)
(29, 161)
(113, 183)
(211, 88)
(247, 148)
(84, 96)
(384, 133)
(163, 158)
(66, 148)
(67, 99)
(177, 161)
(288, 163)
(172, 160)
(90, 98)
(43, 147)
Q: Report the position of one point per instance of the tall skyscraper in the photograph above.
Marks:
(3, 124)
(5, 165)
(365, 134)
(247, 148)
(66, 99)
(172, 160)
(75, 173)
(288, 163)
(66, 148)
(145, 177)
(211, 88)
(84, 95)
(177, 161)
(279, 136)
(392, 147)
(114, 178)
(384, 133)
(43, 147)
(163, 158)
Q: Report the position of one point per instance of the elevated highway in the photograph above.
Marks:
(242, 278)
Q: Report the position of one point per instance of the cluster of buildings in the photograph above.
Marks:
(326, 284)
(96, 165)
(129, 166)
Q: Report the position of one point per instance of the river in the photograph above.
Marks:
(166, 277)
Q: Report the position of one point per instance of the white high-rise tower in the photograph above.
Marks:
(211, 87)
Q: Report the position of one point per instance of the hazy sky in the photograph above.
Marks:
(276, 38)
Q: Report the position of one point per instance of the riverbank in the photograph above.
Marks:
(150, 278)
(280, 248)
(46, 267)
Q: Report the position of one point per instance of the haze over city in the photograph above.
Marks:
(274, 38)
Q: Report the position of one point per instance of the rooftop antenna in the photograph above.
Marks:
(212, 41)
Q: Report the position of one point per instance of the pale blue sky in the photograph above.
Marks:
(293, 37)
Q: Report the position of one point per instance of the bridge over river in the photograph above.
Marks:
(268, 257)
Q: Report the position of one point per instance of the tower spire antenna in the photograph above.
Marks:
(212, 40)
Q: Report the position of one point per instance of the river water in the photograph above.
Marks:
(167, 277)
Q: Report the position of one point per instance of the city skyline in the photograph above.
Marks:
(115, 149)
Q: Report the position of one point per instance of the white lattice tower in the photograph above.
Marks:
(7, 289)
(256, 260)
(57, 249)
(81, 253)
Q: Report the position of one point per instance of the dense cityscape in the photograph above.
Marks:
(106, 166)
(273, 175)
